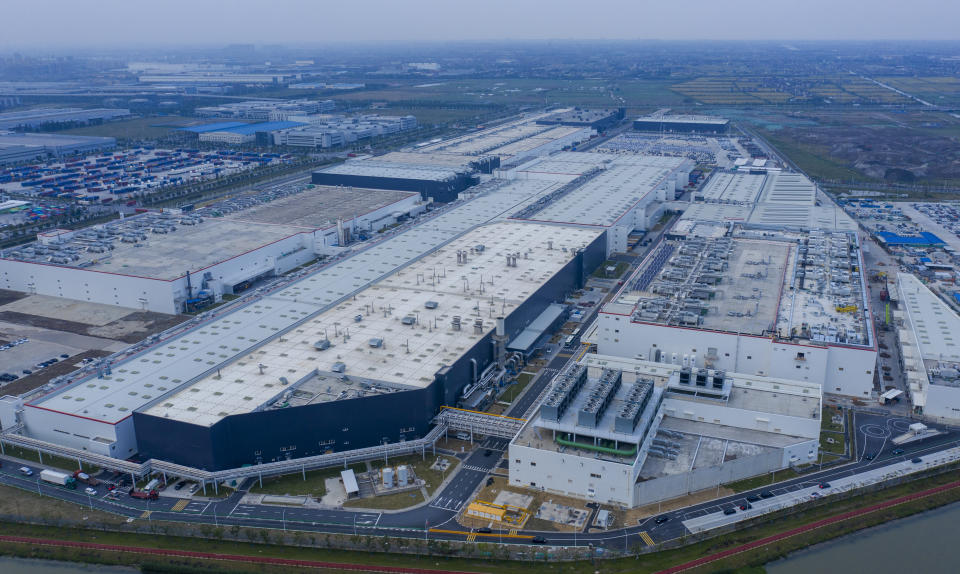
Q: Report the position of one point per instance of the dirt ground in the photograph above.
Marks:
(40, 378)
(131, 328)
(10, 296)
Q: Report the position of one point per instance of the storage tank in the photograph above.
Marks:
(388, 477)
(403, 475)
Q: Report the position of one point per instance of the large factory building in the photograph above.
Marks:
(164, 261)
(439, 183)
(632, 432)
(681, 124)
(781, 305)
(284, 378)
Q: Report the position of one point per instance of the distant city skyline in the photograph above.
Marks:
(56, 24)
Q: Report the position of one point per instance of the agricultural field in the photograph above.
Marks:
(513, 91)
(837, 89)
(936, 90)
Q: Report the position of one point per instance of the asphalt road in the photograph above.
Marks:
(874, 434)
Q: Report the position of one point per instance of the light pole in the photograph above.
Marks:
(354, 523)
(283, 518)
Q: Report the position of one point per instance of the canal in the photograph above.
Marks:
(923, 543)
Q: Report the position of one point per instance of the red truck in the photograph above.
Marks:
(143, 494)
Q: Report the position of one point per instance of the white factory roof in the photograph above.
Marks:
(375, 168)
(451, 161)
(137, 380)
(773, 200)
(410, 355)
(832, 300)
(733, 188)
(216, 239)
(788, 187)
(603, 199)
(505, 140)
(935, 325)
(683, 118)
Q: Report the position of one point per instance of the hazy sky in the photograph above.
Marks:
(39, 24)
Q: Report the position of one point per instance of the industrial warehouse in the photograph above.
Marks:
(631, 432)
(163, 261)
(405, 345)
(393, 287)
(620, 194)
(788, 305)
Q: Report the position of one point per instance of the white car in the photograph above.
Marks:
(91, 491)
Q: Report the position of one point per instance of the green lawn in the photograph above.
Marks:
(388, 501)
(295, 485)
(421, 468)
(601, 271)
(514, 390)
(761, 480)
(66, 464)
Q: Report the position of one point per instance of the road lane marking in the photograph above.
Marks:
(646, 538)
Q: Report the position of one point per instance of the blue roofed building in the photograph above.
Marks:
(924, 238)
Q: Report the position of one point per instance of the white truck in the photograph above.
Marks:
(58, 478)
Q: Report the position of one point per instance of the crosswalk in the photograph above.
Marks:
(514, 532)
(472, 537)
(447, 503)
(146, 514)
(475, 468)
(646, 538)
(180, 505)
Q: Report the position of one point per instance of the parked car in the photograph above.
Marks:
(766, 494)
(90, 490)
(896, 451)
(484, 530)
(729, 511)
(746, 506)
(824, 485)
(916, 460)
(752, 498)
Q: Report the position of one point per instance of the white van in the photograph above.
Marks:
(463, 436)
(26, 471)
